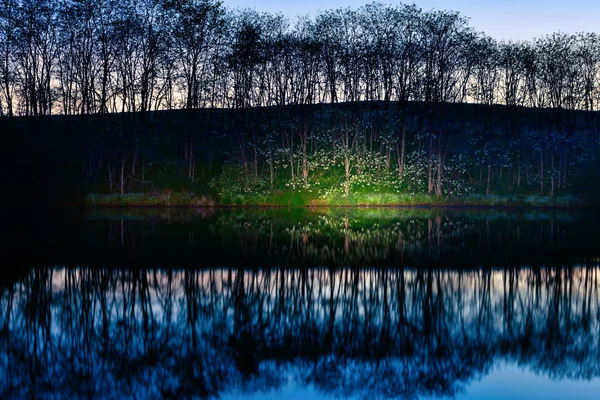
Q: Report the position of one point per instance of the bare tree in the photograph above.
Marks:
(194, 27)
(35, 51)
(8, 10)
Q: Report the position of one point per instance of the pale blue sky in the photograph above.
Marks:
(505, 381)
(500, 19)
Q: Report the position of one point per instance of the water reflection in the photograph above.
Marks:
(333, 238)
(376, 332)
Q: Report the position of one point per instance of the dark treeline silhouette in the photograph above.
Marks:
(377, 333)
(100, 56)
(255, 85)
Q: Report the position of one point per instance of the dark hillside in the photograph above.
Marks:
(449, 149)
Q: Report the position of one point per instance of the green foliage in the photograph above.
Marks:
(341, 157)
(230, 183)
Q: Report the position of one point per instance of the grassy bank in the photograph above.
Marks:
(294, 198)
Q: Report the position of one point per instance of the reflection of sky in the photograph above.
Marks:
(501, 19)
(291, 392)
(504, 382)
(472, 319)
(512, 382)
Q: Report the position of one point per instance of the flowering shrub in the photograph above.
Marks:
(233, 182)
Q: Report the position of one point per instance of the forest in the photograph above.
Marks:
(162, 102)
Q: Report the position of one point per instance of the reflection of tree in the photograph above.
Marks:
(371, 332)
(342, 237)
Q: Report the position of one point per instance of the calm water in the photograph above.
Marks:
(331, 303)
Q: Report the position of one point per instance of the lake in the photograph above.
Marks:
(342, 303)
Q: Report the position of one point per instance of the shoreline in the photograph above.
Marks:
(190, 200)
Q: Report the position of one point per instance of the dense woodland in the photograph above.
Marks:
(136, 96)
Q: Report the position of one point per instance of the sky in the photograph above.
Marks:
(500, 19)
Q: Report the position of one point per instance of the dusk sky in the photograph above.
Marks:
(501, 19)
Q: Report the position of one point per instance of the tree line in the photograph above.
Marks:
(344, 101)
(101, 56)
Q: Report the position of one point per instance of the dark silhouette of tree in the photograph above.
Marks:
(282, 90)
(194, 26)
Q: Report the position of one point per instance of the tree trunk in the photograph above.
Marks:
(552, 174)
(110, 177)
(134, 162)
(487, 188)
(541, 172)
(387, 157)
(191, 160)
(438, 187)
(430, 166)
(403, 150)
(440, 166)
(123, 160)
(291, 153)
(271, 168)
